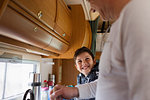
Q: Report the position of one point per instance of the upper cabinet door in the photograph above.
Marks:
(63, 25)
(45, 10)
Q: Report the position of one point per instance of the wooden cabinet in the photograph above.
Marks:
(21, 29)
(43, 10)
(81, 33)
(65, 71)
(20, 21)
(48, 25)
(69, 72)
(63, 25)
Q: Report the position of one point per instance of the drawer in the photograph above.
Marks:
(44, 10)
(16, 26)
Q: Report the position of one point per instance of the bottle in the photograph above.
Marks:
(45, 83)
(45, 93)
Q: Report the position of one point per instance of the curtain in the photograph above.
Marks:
(94, 27)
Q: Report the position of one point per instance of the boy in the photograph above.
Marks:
(86, 65)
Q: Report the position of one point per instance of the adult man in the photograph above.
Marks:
(86, 65)
(124, 66)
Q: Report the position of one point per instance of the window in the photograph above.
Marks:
(14, 77)
(2, 71)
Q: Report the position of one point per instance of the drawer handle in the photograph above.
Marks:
(40, 14)
(35, 29)
(64, 35)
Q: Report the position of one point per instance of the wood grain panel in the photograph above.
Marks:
(21, 29)
(80, 35)
(47, 8)
(88, 36)
(69, 72)
(22, 12)
(63, 25)
(3, 5)
(57, 68)
(22, 45)
(15, 25)
(97, 56)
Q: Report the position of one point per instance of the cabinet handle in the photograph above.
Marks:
(64, 35)
(35, 29)
(40, 14)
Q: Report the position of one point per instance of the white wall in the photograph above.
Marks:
(46, 68)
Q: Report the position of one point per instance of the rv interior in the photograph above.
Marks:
(41, 37)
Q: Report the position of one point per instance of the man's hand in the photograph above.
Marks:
(59, 92)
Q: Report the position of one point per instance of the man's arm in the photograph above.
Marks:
(81, 91)
(87, 90)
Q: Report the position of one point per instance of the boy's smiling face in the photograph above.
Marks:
(84, 63)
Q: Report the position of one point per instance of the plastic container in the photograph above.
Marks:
(45, 93)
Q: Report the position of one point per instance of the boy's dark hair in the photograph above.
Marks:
(81, 50)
